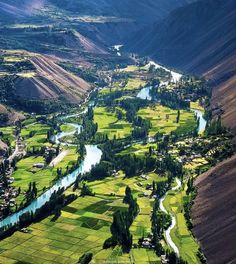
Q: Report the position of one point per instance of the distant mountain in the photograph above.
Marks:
(140, 11)
(198, 38)
(14, 10)
(122, 17)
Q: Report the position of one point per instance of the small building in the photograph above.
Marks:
(39, 165)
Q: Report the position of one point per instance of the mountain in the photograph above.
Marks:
(214, 212)
(199, 38)
(10, 10)
(140, 11)
(109, 21)
(31, 81)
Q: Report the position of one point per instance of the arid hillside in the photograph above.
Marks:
(28, 79)
(214, 212)
(49, 81)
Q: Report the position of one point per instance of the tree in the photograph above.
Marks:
(86, 258)
(178, 117)
(128, 195)
(86, 191)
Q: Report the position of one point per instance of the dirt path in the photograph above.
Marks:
(59, 158)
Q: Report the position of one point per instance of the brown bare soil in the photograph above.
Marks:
(50, 81)
(214, 213)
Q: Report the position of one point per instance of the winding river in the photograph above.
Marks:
(92, 157)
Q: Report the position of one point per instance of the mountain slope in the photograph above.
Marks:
(140, 11)
(199, 38)
(28, 79)
(97, 19)
(214, 212)
(50, 81)
(10, 10)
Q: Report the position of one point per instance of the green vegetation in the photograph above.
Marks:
(110, 125)
(7, 134)
(83, 226)
(44, 177)
(180, 234)
(164, 120)
(36, 135)
(113, 212)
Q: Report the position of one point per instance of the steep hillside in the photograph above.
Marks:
(214, 213)
(27, 78)
(99, 19)
(140, 11)
(10, 10)
(199, 38)
(8, 116)
(49, 81)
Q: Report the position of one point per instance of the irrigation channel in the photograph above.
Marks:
(92, 157)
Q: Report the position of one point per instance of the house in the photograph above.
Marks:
(39, 165)
(147, 243)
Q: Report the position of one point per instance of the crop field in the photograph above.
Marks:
(26, 173)
(180, 234)
(67, 128)
(8, 133)
(109, 124)
(130, 68)
(131, 85)
(134, 84)
(83, 226)
(139, 149)
(163, 120)
(36, 135)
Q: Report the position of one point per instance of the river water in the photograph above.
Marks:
(144, 93)
(92, 157)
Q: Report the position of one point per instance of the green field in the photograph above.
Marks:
(180, 234)
(25, 173)
(35, 135)
(83, 226)
(139, 149)
(134, 84)
(109, 125)
(8, 133)
(163, 120)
